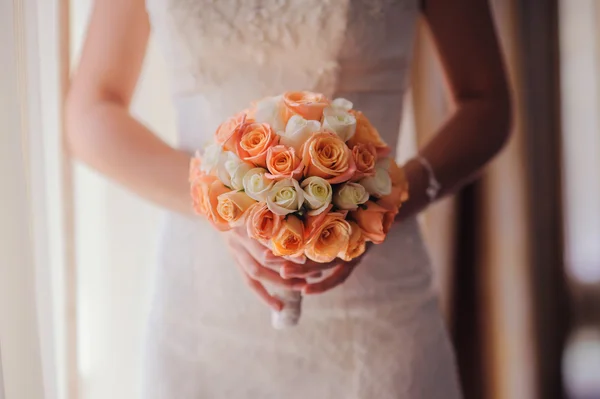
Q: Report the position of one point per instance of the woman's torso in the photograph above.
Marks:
(223, 54)
(378, 335)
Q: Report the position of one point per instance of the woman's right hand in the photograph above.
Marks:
(258, 265)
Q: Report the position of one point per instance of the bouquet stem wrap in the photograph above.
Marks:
(289, 316)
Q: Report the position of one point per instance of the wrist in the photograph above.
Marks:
(418, 182)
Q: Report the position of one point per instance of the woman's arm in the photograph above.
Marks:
(100, 130)
(102, 133)
(464, 34)
(465, 38)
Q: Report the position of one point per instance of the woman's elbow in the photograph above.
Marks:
(85, 123)
(496, 118)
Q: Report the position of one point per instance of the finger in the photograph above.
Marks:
(258, 272)
(260, 290)
(295, 270)
(264, 255)
(339, 275)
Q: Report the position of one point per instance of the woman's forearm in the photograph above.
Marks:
(465, 143)
(105, 136)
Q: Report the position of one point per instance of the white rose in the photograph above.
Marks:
(317, 194)
(350, 196)
(268, 111)
(340, 122)
(379, 185)
(342, 104)
(236, 169)
(285, 197)
(297, 131)
(213, 162)
(210, 158)
(256, 184)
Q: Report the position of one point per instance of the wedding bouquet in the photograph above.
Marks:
(308, 177)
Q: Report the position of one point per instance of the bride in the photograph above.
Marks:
(371, 329)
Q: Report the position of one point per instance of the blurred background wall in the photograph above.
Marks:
(523, 312)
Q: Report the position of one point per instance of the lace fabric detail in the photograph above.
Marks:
(278, 45)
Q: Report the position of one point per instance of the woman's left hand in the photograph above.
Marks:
(340, 270)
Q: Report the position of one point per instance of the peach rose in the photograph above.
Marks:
(253, 140)
(282, 162)
(398, 177)
(327, 156)
(399, 193)
(371, 220)
(367, 134)
(289, 239)
(328, 238)
(394, 200)
(205, 193)
(261, 223)
(365, 156)
(231, 206)
(388, 220)
(307, 104)
(195, 172)
(227, 129)
(357, 244)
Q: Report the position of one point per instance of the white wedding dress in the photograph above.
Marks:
(379, 335)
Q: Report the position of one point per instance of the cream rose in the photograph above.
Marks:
(378, 185)
(342, 103)
(256, 184)
(340, 122)
(349, 196)
(317, 194)
(231, 206)
(285, 197)
(211, 156)
(213, 163)
(269, 110)
(236, 169)
(297, 131)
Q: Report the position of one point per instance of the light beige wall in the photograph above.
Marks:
(20, 355)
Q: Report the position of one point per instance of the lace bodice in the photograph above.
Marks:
(226, 53)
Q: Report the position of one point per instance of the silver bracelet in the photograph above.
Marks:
(434, 186)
